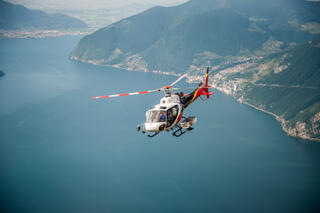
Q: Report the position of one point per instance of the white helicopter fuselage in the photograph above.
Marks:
(172, 109)
(167, 114)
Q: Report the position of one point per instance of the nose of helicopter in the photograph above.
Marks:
(154, 127)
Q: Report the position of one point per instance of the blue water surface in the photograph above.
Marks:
(61, 151)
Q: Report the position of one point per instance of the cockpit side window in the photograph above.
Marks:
(172, 114)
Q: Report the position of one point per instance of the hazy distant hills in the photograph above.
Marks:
(14, 17)
(168, 39)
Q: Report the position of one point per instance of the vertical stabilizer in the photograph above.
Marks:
(207, 75)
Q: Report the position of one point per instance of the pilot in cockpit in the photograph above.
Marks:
(163, 117)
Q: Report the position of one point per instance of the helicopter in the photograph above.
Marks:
(167, 115)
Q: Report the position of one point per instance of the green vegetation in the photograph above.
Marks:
(287, 102)
(303, 67)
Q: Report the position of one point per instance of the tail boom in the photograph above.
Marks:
(198, 92)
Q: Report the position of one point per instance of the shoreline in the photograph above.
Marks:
(281, 121)
(278, 118)
(128, 69)
(39, 34)
(191, 79)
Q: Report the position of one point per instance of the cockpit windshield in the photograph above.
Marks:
(155, 116)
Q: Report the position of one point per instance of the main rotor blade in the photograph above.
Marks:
(181, 77)
(173, 89)
(125, 94)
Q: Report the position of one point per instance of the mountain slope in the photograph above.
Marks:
(168, 39)
(210, 31)
(13, 17)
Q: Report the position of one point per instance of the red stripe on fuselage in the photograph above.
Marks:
(179, 118)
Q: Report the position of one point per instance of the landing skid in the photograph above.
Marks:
(178, 131)
(151, 136)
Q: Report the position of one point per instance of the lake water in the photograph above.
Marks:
(61, 151)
